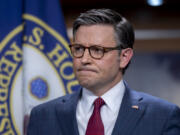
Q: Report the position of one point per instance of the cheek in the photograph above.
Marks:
(113, 67)
(75, 64)
(108, 66)
(112, 61)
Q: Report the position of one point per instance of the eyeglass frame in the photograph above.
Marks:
(105, 50)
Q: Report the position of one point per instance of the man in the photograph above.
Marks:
(102, 49)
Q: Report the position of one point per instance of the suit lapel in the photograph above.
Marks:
(66, 114)
(130, 112)
(127, 119)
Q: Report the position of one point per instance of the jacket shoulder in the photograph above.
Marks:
(155, 103)
(50, 105)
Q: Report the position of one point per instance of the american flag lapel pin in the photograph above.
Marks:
(135, 107)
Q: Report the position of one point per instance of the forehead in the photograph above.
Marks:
(95, 34)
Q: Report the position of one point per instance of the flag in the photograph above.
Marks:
(36, 64)
(11, 99)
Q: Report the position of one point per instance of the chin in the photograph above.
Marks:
(85, 83)
(84, 77)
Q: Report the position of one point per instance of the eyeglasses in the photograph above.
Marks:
(95, 51)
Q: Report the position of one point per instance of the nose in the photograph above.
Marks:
(86, 58)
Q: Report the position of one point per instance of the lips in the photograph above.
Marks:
(86, 70)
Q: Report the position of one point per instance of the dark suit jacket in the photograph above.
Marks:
(153, 116)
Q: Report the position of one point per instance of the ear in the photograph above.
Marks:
(125, 57)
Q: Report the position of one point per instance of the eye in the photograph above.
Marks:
(96, 49)
(78, 48)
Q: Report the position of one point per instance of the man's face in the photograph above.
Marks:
(97, 75)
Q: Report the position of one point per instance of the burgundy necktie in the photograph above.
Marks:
(95, 125)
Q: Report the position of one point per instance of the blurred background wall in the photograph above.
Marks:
(155, 68)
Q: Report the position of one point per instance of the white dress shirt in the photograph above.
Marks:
(109, 111)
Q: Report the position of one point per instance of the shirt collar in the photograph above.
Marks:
(87, 99)
(112, 98)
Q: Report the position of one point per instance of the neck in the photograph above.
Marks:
(101, 89)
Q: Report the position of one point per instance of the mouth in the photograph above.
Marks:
(86, 70)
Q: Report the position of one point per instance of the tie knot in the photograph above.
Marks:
(98, 103)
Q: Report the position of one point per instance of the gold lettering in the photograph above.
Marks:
(37, 34)
(71, 84)
(59, 57)
(16, 53)
(9, 132)
(4, 81)
(63, 67)
(4, 109)
(8, 67)
(3, 94)
(5, 124)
